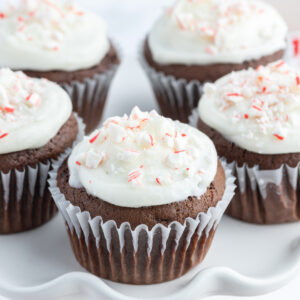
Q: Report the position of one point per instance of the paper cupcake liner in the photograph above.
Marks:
(139, 256)
(89, 96)
(25, 201)
(263, 196)
(175, 97)
(266, 196)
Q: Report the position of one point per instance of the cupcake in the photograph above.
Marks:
(36, 125)
(200, 41)
(61, 42)
(142, 197)
(253, 117)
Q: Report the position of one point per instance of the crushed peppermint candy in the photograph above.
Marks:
(3, 135)
(296, 45)
(18, 93)
(213, 20)
(259, 103)
(144, 148)
(44, 22)
(32, 111)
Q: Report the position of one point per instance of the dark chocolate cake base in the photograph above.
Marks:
(281, 203)
(110, 59)
(141, 267)
(205, 73)
(234, 153)
(87, 88)
(178, 88)
(25, 201)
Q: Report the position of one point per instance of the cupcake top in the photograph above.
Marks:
(31, 111)
(258, 110)
(143, 160)
(45, 35)
(216, 31)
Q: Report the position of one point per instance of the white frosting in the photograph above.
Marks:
(46, 35)
(143, 160)
(217, 31)
(258, 110)
(31, 111)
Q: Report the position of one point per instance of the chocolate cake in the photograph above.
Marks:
(249, 116)
(187, 47)
(28, 122)
(59, 42)
(139, 219)
(150, 216)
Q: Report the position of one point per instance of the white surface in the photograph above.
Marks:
(32, 258)
(37, 256)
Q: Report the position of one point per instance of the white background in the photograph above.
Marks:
(128, 21)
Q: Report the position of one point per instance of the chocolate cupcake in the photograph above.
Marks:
(253, 118)
(36, 125)
(142, 197)
(61, 42)
(200, 41)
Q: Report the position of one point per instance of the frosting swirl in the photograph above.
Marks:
(31, 111)
(258, 110)
(217, 31)
(45, 35)
(143, 160)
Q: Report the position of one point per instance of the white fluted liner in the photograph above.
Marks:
(89, 96)
(259, 182)
(81, 221)
(176, 97)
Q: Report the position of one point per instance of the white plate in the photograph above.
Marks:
(263, 259)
